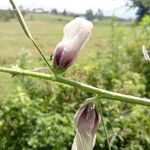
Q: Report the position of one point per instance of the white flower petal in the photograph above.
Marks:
(76, 34)
(81, 38)
(80, 143)
(72, 28)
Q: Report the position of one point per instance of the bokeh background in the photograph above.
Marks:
(38, 114)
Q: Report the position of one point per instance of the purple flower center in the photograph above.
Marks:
(88, 120)
(58, 55)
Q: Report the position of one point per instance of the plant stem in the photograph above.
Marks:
(37, 47)
(88, 88)
(105, 129)
(27, 31)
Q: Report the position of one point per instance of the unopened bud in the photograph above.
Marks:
(86, 122)
(76, 34)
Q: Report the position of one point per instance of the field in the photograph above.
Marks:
(47, 31)
(38, 114)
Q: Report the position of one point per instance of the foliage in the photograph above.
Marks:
(32, 124)
(99, 14)
(64, 12)
(54, 11)
(41, 117)
(38, 115)
(143, 8)
(89, 14)
(145, 23)
(6, 15)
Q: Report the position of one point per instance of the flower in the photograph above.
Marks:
(86, 122)
(76, 34)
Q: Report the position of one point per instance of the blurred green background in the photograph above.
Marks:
(38, 115)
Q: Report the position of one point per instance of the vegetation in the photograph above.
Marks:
(38, 114)
(6, 15)
(143, 8)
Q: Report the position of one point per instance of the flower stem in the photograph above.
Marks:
(105, 129)
(88, 88)
(27, 31)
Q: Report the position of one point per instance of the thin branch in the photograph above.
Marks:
(105, 129)
(88, 88)
(27, 31)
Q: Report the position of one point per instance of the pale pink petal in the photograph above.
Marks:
(73, 27)
(76, 34)
(86, 123)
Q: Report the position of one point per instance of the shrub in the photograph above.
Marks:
(30, 124)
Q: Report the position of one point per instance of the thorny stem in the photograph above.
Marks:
(27, 31)
(88, 88)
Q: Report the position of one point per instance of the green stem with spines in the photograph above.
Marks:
(88, 88)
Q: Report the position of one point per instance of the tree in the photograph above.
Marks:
(6, 15)
(99, 14)
(143, 8)
(64, 12)
(54, 11)
(89, 14)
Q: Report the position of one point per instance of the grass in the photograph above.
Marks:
(47, 31)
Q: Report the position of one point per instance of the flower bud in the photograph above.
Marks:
(86, 123)
(76, 34)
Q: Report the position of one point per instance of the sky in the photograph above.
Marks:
(109, 7)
